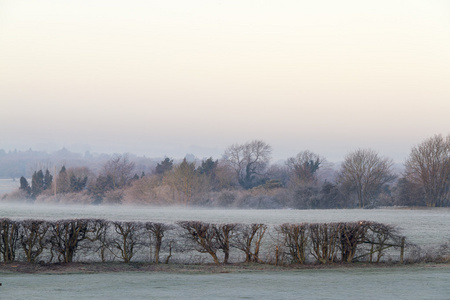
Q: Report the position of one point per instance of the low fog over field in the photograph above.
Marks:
(424, 227)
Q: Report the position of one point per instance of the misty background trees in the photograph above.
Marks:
(246, 177)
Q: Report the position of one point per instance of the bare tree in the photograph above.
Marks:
(409, 193)
(98, 236)
(66, 236)
(351, 234)
(33, 238)
(248, 239)
(295, 240)
(203, 235)
(249, 161)
(224, 235)
(157, 231)
(381, 237)
(324, 241)
(364, 172)
(428, 166)
(9, 236)
(120, 169)
(126, 240)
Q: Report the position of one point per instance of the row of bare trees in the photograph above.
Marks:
(95, 239)
(364, 175)
(38, 240)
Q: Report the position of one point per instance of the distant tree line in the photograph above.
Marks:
(244, 178)
(14, 164)
(98, 240)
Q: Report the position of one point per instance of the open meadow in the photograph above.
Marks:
(424, 227)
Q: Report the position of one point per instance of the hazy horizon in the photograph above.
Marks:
(175, 77)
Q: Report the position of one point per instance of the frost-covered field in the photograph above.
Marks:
(8, 185)
(383, 283)
(421, 226)
(424, 227)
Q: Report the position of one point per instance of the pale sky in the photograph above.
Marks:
(168, 77)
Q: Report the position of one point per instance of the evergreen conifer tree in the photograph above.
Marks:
(37, 183)
(63, 181)
(165, 166)
(48, 178)
(24, 186)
